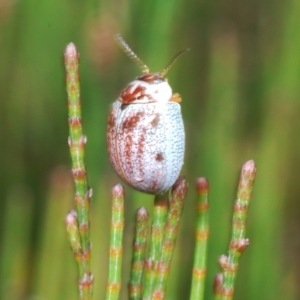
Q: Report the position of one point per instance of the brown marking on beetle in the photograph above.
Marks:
(110, 130)
(111, 121)
(140, 154)
(154, 185)
(112, 143)
(127, 150)
(129, 95)
(155, 121)
(152, 78)
(159, 157)
(131, 121)
(125, 162)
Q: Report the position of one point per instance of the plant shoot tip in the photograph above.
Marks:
(71, 50)
(118, 190)
(218, 281)
(180, 184)
(249, 166)
(142, 212)
(202, 185)
(71, 217)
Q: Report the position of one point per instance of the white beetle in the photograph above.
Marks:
(145, 134)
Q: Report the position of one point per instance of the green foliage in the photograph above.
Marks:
(239, 85)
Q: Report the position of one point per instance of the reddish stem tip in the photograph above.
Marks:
(71, 218)
(202, 185)
(180, 187)
(71, 50)
(218, 281)
(249, 169)
(118, 191)
(142, 212)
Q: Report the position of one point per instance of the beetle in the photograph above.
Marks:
(145, 131)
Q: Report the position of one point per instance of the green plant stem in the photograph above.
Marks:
(179, 191)
(115, 248)
(160, 211)
(77, 143)
(138, 256)
(202, 233)
(238, 242)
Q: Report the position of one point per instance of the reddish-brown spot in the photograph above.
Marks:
(129, 95)
(151, 77)
(155, 121)
(140, 153)
(115, 251)
(78, 174)
(111, 120)
(113, 287)
(128, 146)
(201, 207)
(159, 157)
(110, 132)
(75, 121)
(117, 225)
(131, 121)
(240, 208)
(86, 282)
(154, 185)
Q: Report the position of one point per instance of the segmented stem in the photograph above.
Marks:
(160, 211)
(83, 194)
(116, 249)
(138, 256)
(162, 270)
(202, 233)
(238, 242)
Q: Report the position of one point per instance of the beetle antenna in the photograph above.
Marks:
(171, 63)
(124, 46)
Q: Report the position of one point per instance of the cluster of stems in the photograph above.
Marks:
(149, 273)
(148, 277)
(77, 221)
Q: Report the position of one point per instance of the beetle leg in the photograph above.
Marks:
(175, 98)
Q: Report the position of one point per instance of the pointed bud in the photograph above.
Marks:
(217, 286)
(202, 185)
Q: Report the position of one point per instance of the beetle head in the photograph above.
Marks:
(149, 87)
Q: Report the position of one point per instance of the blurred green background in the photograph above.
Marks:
(240, 90)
